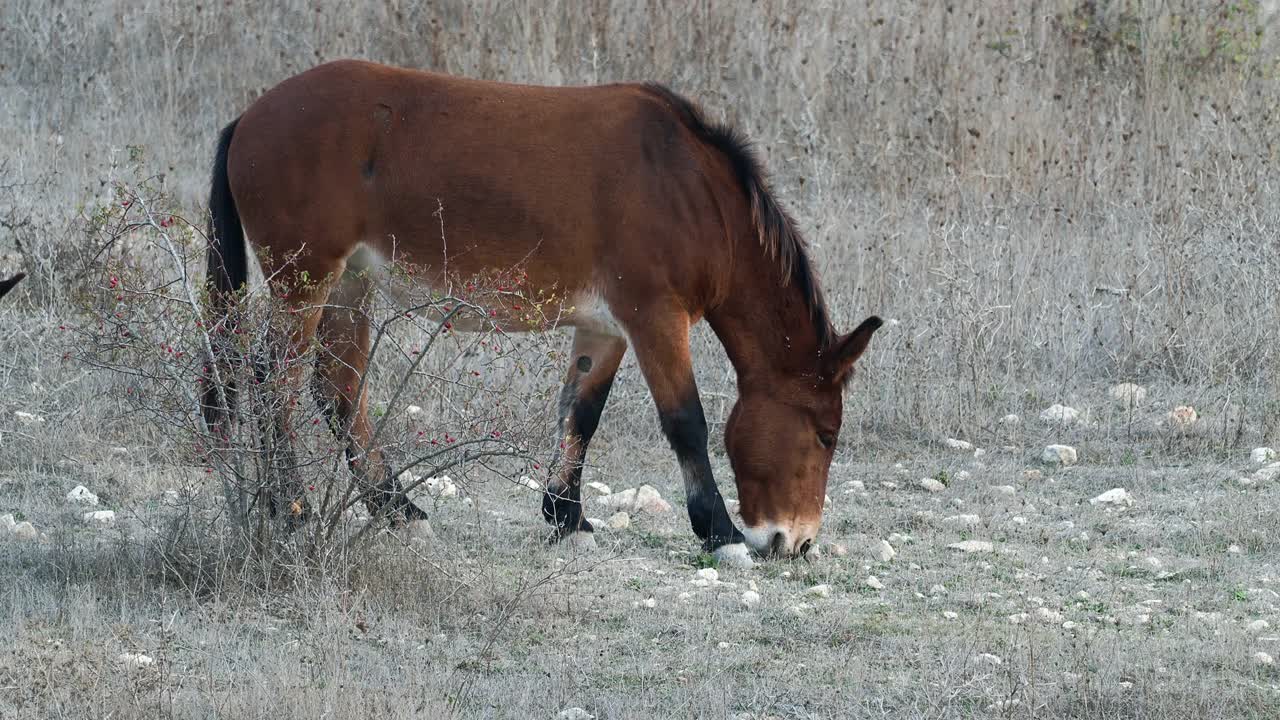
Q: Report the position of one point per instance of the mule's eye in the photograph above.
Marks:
(827, 439)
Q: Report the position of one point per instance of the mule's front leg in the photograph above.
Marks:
(592, 368)
(662, 347)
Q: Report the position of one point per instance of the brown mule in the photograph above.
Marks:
(622, 198)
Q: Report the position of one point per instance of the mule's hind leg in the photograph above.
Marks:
(341, 362)
(661, 343)
(592, 367)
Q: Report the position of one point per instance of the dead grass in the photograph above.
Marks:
(1046, 198)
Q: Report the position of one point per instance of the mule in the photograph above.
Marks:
(624, 198)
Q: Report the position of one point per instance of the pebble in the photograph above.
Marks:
(1010, 420)
(1114, 496)
(1005, 490)
(932, 485)
(27, 418)
(839, 550)
(618, 521)
(955, 444)
(575, 713)
(966, 520)
(134, 661)
(1059, 455)
(1263, 659)
(990, 659)
(1258, 626)
(80, 495)
(1060, 414)
(750, 598)
(100, 517)
(880, 550)
(972, 546)
(25, 531)
(822, 591)
(854, 486)
(598, 488)
(1182, 417)
(1262, 455)
(950, 615)
(413, 410)
(118, 451)
(1128, 394)
(1032, 475)
(874, 583)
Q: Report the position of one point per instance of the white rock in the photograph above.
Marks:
(412, 410)
(7, 523)
(973, 546)
(529, 482)
(1234, 549)
(938, 589)
(822, 591)
(650, 603)
(1032, 475)
(1258, 626)
(27, 418)
(118, 451)
(575, 713)
(709, 574)
(1053, 617)
(955, 444)
(170, 497)
(618, 521)
(648, 499)
(100, 517)
(1267, 473)
(1059, 455)
(134, 661)
(1005, 490)
(1182, 417)
(1264, 659)
(839, 550)
(1128, 394)
(750, 598)
(1010, 420)
(932, 485)
(25, 531)
(881, 550)
(80, 495)
(874, 583)
(1060, 414)
(734, 555)
(1262, 455)
(625, 499)
(990, 659)
(420, 531)
(1114, 496)
(854, 486)
(950, 615)
(598, 489)
(967, 520)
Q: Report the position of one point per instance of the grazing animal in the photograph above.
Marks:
(624, 198)
(7, 285)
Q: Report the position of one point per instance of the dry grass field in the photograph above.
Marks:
(1044, 199)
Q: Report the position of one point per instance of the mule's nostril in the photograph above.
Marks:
(804, 547)
(779, 543)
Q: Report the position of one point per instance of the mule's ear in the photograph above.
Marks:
(849, 348)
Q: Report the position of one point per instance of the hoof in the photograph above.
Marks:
(734, 555)
(563, 513)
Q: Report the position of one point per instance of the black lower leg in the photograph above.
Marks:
(686, 430)
(562, 502)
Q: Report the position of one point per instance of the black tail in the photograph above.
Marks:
(227, 270)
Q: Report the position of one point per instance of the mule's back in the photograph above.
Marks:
(570, 183)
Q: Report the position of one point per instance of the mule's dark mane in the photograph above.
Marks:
(773, 225)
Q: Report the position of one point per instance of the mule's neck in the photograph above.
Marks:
(764, 320)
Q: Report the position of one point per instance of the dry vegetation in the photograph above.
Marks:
(1047, 197)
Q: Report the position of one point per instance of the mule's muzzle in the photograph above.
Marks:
(773, 541)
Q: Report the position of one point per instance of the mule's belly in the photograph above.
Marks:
(468, 305)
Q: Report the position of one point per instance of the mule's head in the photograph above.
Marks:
(780, 440)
